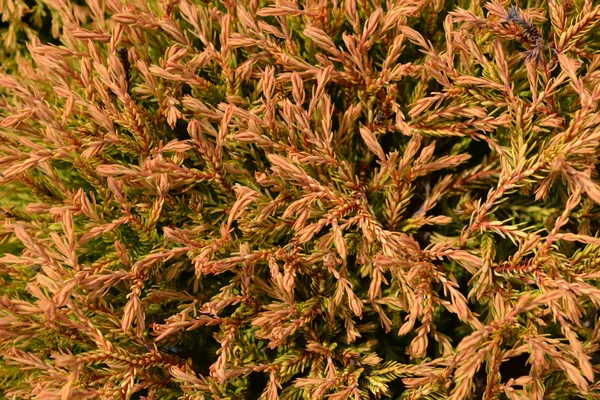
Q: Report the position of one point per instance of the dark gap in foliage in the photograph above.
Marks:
(194, 162)
(257, 382)
(409, 54)
(337, 101)
(255, 159)
(197, 346)
(299, 342)
(196, 43)
(211, 74)
(215, 94)
(282, 242)
(305, 287)
(595, 361)
(504, 248)
(570, 248)
(553, 330)
(351, 265)
(114, 296)
(397, 387)
(43, 31)
(391, 346)
(515, 367)
(236, 232)
(180, 132)
(186, 90)
(390, 142)
(447, 208)
(478, 150)
(162, 223)
(450, 325)
(139, 394)
(184, 279)
(479, 381)
(211, 287)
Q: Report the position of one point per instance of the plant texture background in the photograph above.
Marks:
(345, 199)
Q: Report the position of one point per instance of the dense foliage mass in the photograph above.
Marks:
(347, 199)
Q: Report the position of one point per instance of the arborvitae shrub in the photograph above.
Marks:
(299, 199)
